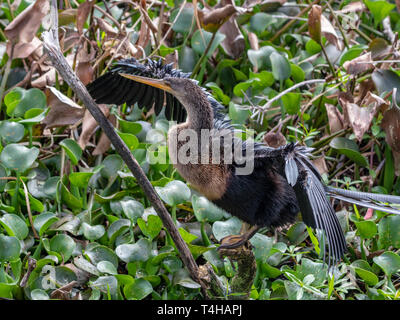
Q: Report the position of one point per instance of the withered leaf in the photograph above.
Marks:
(89, 125)
(24, 27)
(329, 32)
(359, 64)
(353, 7)
(83, 13)
(320, 164)
(104, 143)
(63, 111)
(274, 139)
(391, 125)
(336, 122)
(314, 23)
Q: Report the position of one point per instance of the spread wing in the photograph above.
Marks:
(111, 88)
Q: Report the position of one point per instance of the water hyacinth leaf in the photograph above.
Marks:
(350, 149)
(85, 265)
(93, 232)
(132, 209)
(10, 248)
(229, 227)
(106, 284)
(80, 179)
(388, 229)
(43, 221)
(129, 126)
(111, 165)
(69, 199)
(117, 228)
(199, 45)
(19, 100)
(187, 236)
(14, 226)
(18, 157)
(39, 294)
(280, 67)
(72, 149)
(205, 210)
(238, 114)
(366, 229)
(106, 267)
(171, 264)
(99, 253)
(389, 262)
(138, 290)
(11, 131)
(139, 251)
(63, 244)
(262, 246)
(174, 192)
(260, 21)
(260, 59)
(182, 278)
(3, 173)
(153, 226)
(184, 22)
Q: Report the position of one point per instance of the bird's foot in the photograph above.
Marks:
(233, 242)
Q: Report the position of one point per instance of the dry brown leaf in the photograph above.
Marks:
(320, 164)
(391, 125)
(353, 7)
(63, 111)
(336, 121)
(314, 23)
(106, 27)
(359, 118)
(89, 125)
(398, 5)
(329, 32)
(104, 143)
(274, 139)
(83, 13)
(46, 79)
(24, 27)
(23, 50)
(359, 64)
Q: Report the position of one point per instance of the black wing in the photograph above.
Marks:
(111, 88)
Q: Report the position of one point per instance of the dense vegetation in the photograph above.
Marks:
(74, 224)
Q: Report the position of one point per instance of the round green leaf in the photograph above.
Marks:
(72, 149)
(389, 262)
(184, 22)
(92, 232)
(369, 277)
(43, 221)
(280, 67)
(139, 251)
(63, 244)
(366, 229)
(229, 227)
(389, 234)
(106, 267)
(9, 248)
(261, 58)
(174, 192)
(153, 226)
(14, 226)
(97, 253)
(11, 131)
(138, 290)
(39, 294)
(205, 210)
(18, 157)
(80, 179)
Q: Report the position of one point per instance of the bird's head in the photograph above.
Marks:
(184, 89)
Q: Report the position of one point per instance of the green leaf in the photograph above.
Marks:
(380, 9)
(205, 210)
(297, 73)
(106, 267)
(174, 192)
(14, 226)
(117, 228)
(237, 113)
(138, 290)
(389, 262)
(366, 229)
(80, 179)
(39, 294)
(139, 251)
(199, 45)
(369, 277)
(388, 229)
(72, 149)
(64, 245)
(291, 102)
(385, 81)
(9, 248)
(261, 58)
(280, 67)
(350, 149)
(262, 246)
(18, 157)
(43, 221)
(19, 101)
(184, 22)
(153, 226)
(229, 227)
(97, 253)
(11, 131)
(260, 21)
(93, 232)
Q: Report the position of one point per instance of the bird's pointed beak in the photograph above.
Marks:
(157, 83)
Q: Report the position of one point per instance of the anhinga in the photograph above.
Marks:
(283, 181)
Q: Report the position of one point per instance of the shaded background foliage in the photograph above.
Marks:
(75, 225)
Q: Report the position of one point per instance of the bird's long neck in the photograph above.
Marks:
(200, 114)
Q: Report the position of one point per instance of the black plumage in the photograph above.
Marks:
(284, 181)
